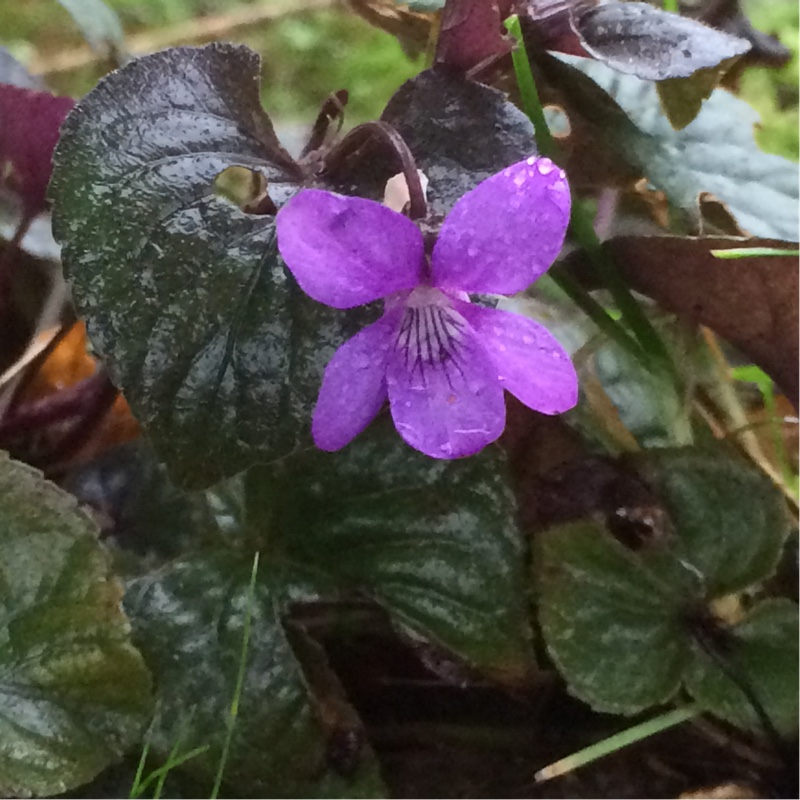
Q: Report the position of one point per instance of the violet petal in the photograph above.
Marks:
(348, 251)
(506, 232)
(353, 386)
(529, 361)
(448, 407)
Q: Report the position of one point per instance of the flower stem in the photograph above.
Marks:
(418, 207)
(647, 339)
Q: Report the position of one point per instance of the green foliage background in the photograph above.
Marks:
(308, 54)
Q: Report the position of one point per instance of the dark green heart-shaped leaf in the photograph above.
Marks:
(618, 623)
(609, 623)
(764, 651)
(74, 693)
(730, 520)
(217, 350)
(190, 620)
(433, 541)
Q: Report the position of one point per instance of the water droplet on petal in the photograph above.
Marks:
(546, 167)
(527, 340)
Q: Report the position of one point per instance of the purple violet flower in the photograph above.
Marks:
(442, 361)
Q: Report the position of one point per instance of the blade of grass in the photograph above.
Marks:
(616, 742)
(136, 789)
(237, 692)
(753, 252)
(647, 338)
(172, 762)
(160, 775)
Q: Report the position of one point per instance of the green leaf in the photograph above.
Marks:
(617, 623)
(716, 153)
(218, 351)
(434, 542)
(74, 693)
(190, 621)
(608, 622)
(649, 404)
(98, 22)
(765, 652)
(682, 98)
(730, 520)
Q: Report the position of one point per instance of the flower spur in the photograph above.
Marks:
(442, 361)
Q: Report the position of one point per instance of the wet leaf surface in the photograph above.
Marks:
(598, 606)
(716, 153)
(74, 693)
(190, 621)
(492, 133)
(434, 542)
(730, 519)
(763, 647)
(638, 39)
(217, 350)
(615, 620)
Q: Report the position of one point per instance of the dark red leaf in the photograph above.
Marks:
(29, 125)
(471, 33)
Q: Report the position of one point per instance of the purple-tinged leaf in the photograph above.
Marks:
(638, 39)
(29, 126)
(492, 133)
(634, 38)
(219, 353)
(471, 33)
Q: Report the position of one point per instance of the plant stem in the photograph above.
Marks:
(582, 229)
(647, 340)
(531, 104)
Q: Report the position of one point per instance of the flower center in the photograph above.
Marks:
(430, 332)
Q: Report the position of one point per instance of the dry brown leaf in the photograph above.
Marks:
(751, 302)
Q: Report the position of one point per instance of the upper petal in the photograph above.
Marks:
(445, 398)
(529, 361)
(348, 251)
(353, 386)
(506, 232)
